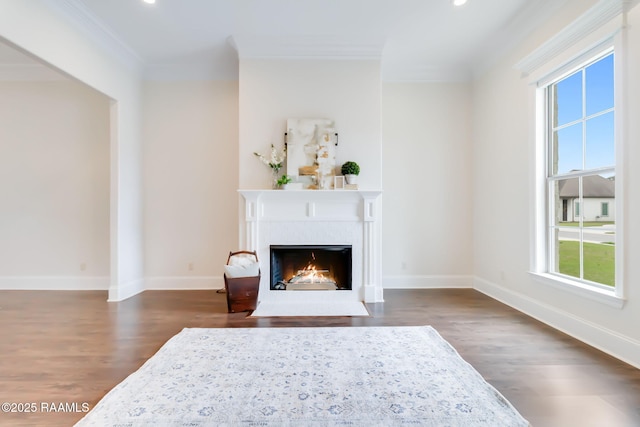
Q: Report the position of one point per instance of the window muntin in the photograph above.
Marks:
(581, 174)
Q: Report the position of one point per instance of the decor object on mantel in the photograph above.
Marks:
(275, 162)
(351, 170)
(327, 376)
(283, 181)
(311, 152)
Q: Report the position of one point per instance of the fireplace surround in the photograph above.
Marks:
(339, 218)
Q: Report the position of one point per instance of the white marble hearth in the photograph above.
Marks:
(316, 217)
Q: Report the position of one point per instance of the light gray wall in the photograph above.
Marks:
(190, 132)
(427, 185)
(191, 162)
(272, 91)
(54, 185)
(463, 151)
(503, 206)
(72, 52)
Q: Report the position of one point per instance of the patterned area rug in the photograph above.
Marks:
(356, 376)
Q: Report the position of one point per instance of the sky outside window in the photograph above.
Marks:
(569, 99)
(579, 97)
(599, 85)
(600, 150)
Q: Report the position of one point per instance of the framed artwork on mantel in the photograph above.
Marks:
(311, 152)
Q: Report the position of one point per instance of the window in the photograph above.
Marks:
(580, 171)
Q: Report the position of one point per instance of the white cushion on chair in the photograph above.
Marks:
(242, 271)
(242, 260)
(242, 265)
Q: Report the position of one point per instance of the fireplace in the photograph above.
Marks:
(310, 267)
(347, 220)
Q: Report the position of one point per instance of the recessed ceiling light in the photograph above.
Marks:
(458, 2)
(153, 1)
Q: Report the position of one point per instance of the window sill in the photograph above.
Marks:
(600, 295)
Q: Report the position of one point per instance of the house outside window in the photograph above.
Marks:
(580, 173)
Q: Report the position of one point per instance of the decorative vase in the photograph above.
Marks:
(351, 179)
(274, 179)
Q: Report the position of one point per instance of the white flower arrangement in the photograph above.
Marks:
(275, 161)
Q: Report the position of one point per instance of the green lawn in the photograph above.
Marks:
(586, 223)
(599, 261)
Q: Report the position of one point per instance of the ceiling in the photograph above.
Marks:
(416, 40)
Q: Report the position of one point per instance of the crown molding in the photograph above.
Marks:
(426, 73)
(191, 72)
(532, 16)
(306, 47)
(594, 18)
(342, 48)
(89, 25)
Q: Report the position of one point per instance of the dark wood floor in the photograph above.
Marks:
(73, 347)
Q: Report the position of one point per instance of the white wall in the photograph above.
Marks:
(43, 30)
(503, 126)
(427, 185)
(272, 91)
(417, 132)
(54, 186)
(189, 127)
(190, 179)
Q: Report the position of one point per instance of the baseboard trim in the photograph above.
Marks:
(117, 292)
(426, 282)
(54, 283)
(619, 346)
(184, 283)
(122, 291)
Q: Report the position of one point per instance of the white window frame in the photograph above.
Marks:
(540, 258)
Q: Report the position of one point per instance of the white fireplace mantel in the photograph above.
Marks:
(317, 216)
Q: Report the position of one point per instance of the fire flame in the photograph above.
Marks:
(310, 274)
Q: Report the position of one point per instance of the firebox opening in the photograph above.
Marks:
(310, 267)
